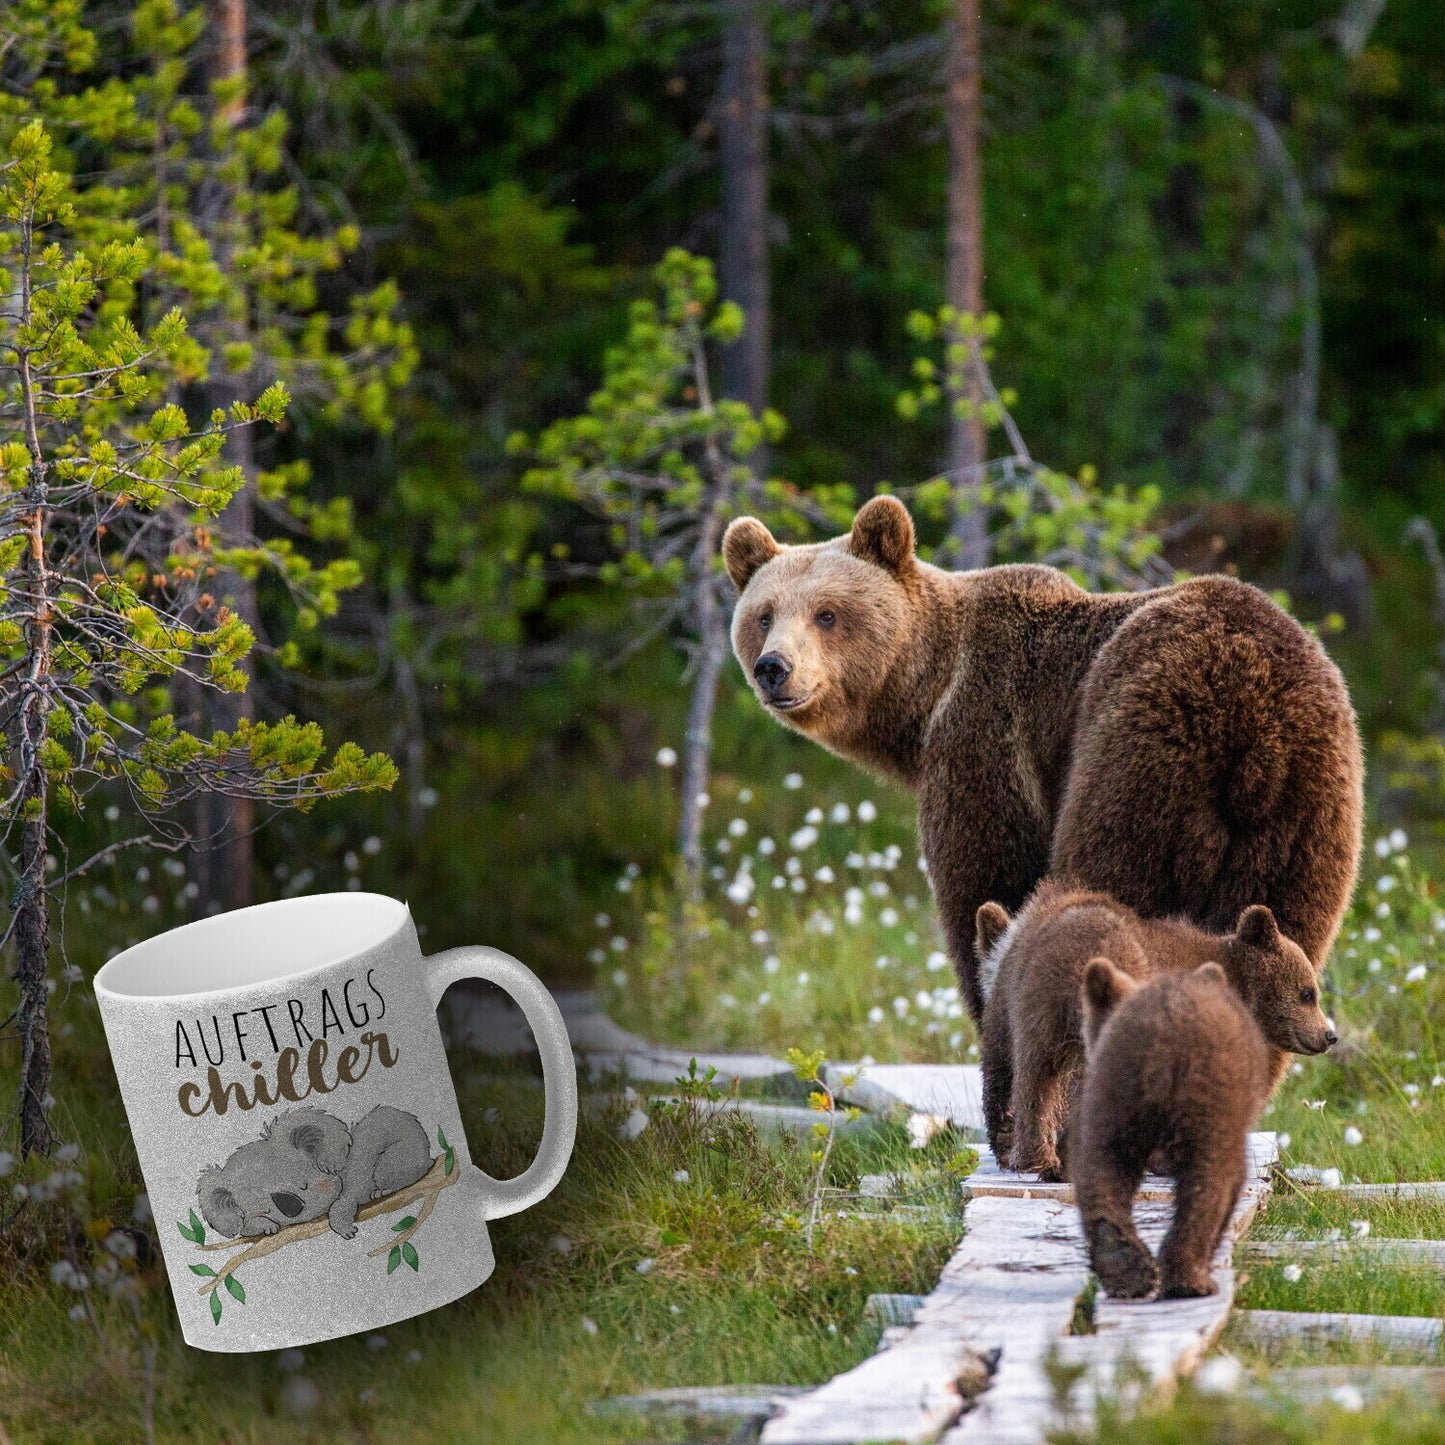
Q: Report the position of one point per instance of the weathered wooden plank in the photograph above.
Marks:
(1275, 1326)
(1011, 1285)
(1308, 1177)
(1164, 1339)
(1377, 1251)
(741, 1406)
(1315, 1384)
(949, 1091)
(989, 1181)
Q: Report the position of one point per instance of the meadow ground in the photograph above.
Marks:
(678, 1256)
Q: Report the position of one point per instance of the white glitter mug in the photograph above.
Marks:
(289, 1097)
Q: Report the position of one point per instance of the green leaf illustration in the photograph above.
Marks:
(403, 1224)
(394, 1258)
(187, 1232)
(449, 1161)
(198, 1230)
(215, 1307)
(234, 1289)
(408, 1253)
(442, 1138)
(201, 1269)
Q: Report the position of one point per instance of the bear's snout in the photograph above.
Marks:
(772, 670)
(288, 1204)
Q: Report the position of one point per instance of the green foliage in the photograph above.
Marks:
(660, 459)
(103, 463)
(1101, 538)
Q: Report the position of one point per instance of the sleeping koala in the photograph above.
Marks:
(308, 1163)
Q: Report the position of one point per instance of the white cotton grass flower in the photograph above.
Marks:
(761, 937)
(1416, 974)
(644, 1266)
(1222, 1375)
(765, 998)
(889, 918)
(1359, 1229)
(824, 875)
(1282, 1140)
(882, 961)
(7, 1163)
(1352, 1136)
(772, 963)
(936, 961)
(738, 827)
(803, 978)
(840, 814)
(867, 812)
(560, 1244)
(813, 815)
(1291, 1274)
(1386, 883)
(1348, 1398)
(635, 1122)
(619, 977)
(924, 1128)
(793, 781)
(667, 757)
(875, 1015)
(681, 1176)
(589, 1326)
(804, 838)
(1399, 840)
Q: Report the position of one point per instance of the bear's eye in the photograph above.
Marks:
(824, 618)
(1306, 995)
(765, 621)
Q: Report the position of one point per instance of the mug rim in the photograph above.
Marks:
(196, 930)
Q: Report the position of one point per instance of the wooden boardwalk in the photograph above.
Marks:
(1008, 1298)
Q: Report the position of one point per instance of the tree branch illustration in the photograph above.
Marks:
(427, 1189)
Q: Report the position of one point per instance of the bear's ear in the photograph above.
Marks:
(883, 534)
(1212, 973)
(219, 1205)
(1257, 927)
(746, 546)
(990, 924)
(1105, 986)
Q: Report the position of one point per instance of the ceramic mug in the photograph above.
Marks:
(288, 1093)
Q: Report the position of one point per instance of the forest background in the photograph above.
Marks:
(1214, 237)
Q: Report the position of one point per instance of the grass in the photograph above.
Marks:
(732, 1294)
(825, 939)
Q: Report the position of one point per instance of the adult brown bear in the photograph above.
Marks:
(1190, 750)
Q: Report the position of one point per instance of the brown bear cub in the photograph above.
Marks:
(1178, 1069)
(1031, 969)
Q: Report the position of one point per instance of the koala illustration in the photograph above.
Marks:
(308, 1163)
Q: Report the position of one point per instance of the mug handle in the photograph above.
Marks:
(559, 1071)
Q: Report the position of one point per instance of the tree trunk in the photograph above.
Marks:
(225, 857)
(697, 742)
(963, 277)
(224, 826)
(32, 950)
(30, 904)
(743, 251)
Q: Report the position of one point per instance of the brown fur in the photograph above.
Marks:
(1033, 1046)
(1190, 750)
(1178, 1070)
